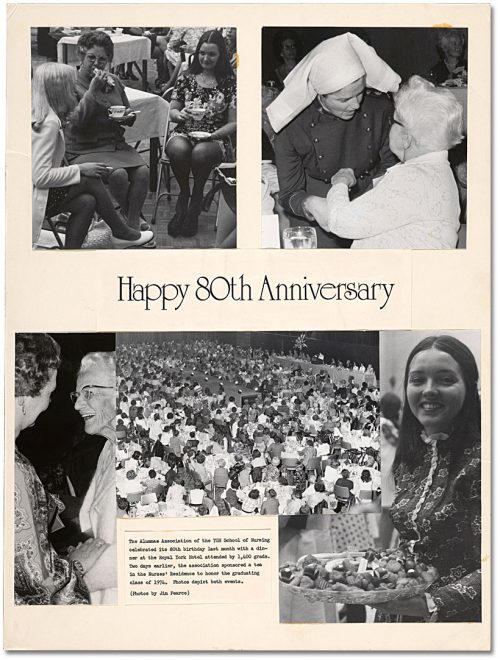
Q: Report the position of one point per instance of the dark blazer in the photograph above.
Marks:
(315, 145)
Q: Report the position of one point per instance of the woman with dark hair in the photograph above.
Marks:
(204, 109)
(93, 132)
(41, 576)
(287, 48)
(437, 471)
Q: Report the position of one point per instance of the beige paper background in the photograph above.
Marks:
(55, 291)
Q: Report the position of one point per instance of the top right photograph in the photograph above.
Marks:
(364, 138)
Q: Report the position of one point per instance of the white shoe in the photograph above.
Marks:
(122, 243)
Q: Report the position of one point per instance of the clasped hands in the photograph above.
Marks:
(315, 209)
(88, 552)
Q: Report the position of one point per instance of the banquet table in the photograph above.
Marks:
(149, 125)
(127, 48)
(335, 373)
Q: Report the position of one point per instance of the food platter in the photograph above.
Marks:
(358, 577)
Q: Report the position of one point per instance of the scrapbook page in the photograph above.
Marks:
(211, 416)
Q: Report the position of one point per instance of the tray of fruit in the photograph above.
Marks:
(362, 577)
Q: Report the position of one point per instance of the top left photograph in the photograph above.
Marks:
(133, 137)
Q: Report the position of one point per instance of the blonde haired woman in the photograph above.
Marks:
(77, 189)
(415, 205)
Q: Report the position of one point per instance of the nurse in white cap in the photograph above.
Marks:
(333, 113)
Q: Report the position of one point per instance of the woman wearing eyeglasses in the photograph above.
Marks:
(95, 401)
(415, 205)
(41, 576)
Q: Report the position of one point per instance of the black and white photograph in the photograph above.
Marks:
(420, 559)
(64, 492)
(364, 137)
(133, 137)
(247, 423)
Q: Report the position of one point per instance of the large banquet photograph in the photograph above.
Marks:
(133, 133)
(247, 423)
(364, 137)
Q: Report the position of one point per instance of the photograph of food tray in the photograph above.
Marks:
(358, 577)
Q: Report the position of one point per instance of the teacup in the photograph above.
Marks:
(198, 113)
(116, 111)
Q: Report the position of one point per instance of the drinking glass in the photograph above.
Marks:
(299, 238)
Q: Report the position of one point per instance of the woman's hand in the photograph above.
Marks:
(344, 175)
(99, 81)
(315, 210)
(94, 170)
(183, 115)
(87, 553)
(416, 606)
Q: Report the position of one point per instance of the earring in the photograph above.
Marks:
(23, 406)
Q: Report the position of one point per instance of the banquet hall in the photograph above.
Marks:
(148, 65)
(247, 423)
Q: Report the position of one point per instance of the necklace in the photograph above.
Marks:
(207, 81)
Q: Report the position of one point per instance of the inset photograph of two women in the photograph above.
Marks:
(133, 137)
(364, 138)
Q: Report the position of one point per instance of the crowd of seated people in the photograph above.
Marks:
(287, 441)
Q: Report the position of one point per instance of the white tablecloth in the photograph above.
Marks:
(335, 373)
(152, 119)
(127, 49)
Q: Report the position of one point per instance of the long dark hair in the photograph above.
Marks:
(467, 429)
(223, 68)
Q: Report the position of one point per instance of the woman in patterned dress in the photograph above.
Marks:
(41, 576)
(204, 100)
(437, 472)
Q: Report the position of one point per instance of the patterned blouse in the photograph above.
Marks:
(448, 525)
(41, 576)
(215, 100)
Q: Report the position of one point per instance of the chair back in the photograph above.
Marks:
(342, 493)
(290, 463)
(134, 498)
(148, 498)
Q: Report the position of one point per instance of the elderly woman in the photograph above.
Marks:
(326, 119)
(93, 133)
(437, 472)
(95, 401)
(203, 102)
(41, 576)
(77, 189)
(416, 204)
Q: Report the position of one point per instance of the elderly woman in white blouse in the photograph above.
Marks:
(415, 204)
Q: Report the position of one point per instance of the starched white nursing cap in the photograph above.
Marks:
(332, 65)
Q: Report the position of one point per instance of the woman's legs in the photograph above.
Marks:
(103, 205)
(179, 151)
(205, 156)
(118, 187)
(82, 210)
(137, 191)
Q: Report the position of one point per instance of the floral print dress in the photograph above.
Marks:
(447, 529)
(41, 576)
(216, 102)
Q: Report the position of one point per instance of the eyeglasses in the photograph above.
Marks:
(88, 392)
(395, 121)
(92, 59)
